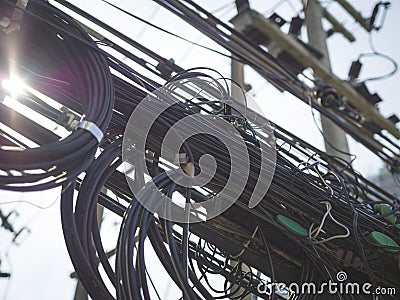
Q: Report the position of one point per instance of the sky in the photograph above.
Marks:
(40, 265)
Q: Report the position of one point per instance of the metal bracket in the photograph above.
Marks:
(14, 24)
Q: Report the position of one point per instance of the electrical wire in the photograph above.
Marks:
(376, 53)
(63, 160)
(306, 181)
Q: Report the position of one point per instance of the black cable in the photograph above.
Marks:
(303, 178)
(91, 83)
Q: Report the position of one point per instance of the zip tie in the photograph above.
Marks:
(93, 129)
(14, 24)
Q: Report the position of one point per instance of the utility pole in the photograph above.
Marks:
(317, 38)
(237, 75)
(80, 291)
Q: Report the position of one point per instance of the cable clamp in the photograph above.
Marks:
(183, 160)
(14, 24)
(93, 129)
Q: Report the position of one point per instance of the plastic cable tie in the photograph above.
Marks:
(93, 129)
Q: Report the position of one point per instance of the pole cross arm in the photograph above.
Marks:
(293, 47)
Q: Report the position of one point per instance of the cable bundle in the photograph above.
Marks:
(81, 230)
(316, 207)
(305, 181)
(47, 50)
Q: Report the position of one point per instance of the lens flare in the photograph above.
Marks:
(13, 85)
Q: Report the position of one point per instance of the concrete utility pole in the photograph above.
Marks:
(237, 75)
(317, 38)
(80, 292)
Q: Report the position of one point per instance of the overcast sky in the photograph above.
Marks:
(40, 266)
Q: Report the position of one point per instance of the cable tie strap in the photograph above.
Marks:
(93, 129)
